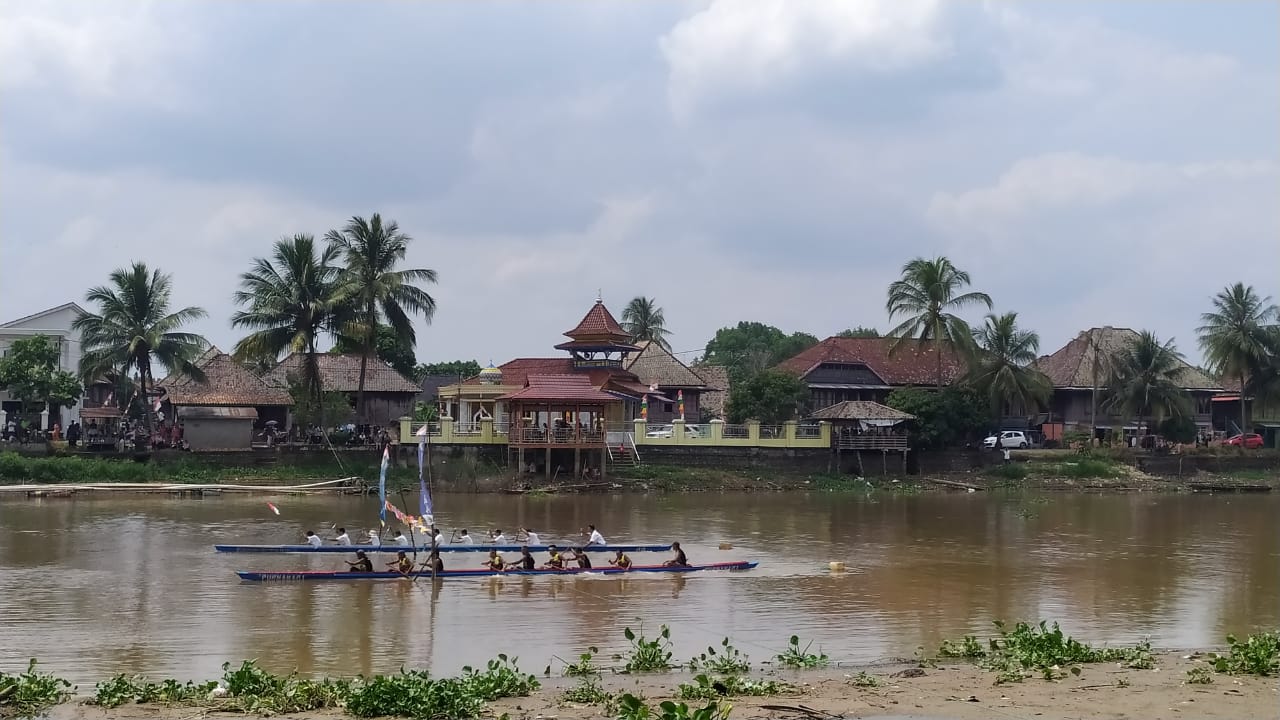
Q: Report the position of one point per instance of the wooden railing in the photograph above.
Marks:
(553, 436)
(872, 442)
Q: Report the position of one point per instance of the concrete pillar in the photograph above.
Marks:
(604, 464)
(717, 430)
(677, 431)
(789, 432)
(548, 462)
(753, 431)
(577, 462)
(44, 418)
(406, 431)
(486, 430)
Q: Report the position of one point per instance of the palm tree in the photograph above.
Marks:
(378, 293)
(643, 319)
(1144, 380)
(1233, 337)
(926, 296)
(134, 329)
(1002, 366)
(291, 299)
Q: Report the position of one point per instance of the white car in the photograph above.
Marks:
(1009, 439)
(666, 431)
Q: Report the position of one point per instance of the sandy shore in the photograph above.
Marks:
(951, 691)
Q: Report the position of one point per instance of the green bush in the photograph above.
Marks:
(29, 693)
(1010, 471)
(1256, 655)
(1027, 648)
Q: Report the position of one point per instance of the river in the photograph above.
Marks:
(98, 586)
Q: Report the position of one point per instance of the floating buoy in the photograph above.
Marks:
(726, 546)
(836, 566)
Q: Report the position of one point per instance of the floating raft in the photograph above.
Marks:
(348, 549)
(286, 576)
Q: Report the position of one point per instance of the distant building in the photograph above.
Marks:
(388, 395)
(226, 409)
(657, 368)
(713, 399)
(54, 323)
(1078, 371)
(839, 369)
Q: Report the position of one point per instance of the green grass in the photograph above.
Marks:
(18, 469)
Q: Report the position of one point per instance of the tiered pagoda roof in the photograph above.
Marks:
(598, 332)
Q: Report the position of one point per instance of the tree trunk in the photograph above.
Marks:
(938, 353)
(143, 377)
(370, 338)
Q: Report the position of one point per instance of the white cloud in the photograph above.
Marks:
(748, 45)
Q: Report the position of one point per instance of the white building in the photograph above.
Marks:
(56, 324)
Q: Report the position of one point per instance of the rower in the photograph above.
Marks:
(433, 564)
(463, 538)
(531, 537)
(679, 560)
(621, 561)
(362, 563)
(400, 539)
(596, 538)
(584, 562)
(495, 561)
(436, 538)
(313, 539)
(556, 561)
(497, 538)
(402, 564)
(525, 562)
(374, 538)
(343, 538)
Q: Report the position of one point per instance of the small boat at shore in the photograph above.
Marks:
(287, 576)
(426, 548)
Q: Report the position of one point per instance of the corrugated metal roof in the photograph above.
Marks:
(204, 412)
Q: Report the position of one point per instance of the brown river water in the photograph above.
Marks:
(98, 586)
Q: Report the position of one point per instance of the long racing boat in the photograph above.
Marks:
(285, 576)
(427, 548)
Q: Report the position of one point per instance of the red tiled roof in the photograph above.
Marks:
(560, 388)
(912, 364)
(517, 372)
(598, 323)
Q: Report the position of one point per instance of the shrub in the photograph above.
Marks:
(31, 692)
(1256, 655)
(800, 658)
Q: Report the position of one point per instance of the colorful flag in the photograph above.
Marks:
(680, 399)
(382, 484)
(274, 509)
(644, 407)
(424, 496)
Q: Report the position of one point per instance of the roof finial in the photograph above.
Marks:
(599, 295)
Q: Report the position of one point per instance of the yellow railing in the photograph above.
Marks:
(713, 434)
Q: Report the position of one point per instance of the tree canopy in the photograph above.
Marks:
(391, 348)
(1001, 367)
(951, 416)
(643, 320)
(859, 332)
(751, 347)
(459, 368)
(1234, 335)
(927, 296)
(30, 373)
(1144, 381)
(770, 396)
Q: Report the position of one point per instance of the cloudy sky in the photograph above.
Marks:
(772, 160)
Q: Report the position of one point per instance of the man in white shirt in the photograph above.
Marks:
(343, 538)
(596, 538)
(465, 539)
(497, 538)
(531, 537)
(374, 539)
(436, 538)
(400, 539)
(313, 539)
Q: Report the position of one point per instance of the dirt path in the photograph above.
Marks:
(948, 692)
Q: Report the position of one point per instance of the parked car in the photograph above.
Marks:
(666, 431)
(1252, 441)
(1009, 439)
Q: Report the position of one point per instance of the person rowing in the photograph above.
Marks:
(555, 561)
(402, 564)
(433, 563)
(525, 562)
(497, 538)
(313, 539)
(679, 560)
(621, 561)
(495, 561)
(400, 539)
(362, 563)
(531, 537)
(584, 562)
(596, 538)
(463, 538)
(374, 538)
(343, 538)
(436, 537)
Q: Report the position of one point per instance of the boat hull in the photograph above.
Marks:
(425, 548)
(286, 576)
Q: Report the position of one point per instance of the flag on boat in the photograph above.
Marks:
(382, 484)
(424, 496)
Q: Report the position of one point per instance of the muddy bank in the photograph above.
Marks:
(952, 690)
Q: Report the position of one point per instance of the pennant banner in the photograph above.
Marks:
(382, 484)
(424, 497)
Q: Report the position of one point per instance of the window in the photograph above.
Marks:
(666, 407)
(1204, 404)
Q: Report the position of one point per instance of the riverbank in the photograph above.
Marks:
(1049, 471)
(953, 690)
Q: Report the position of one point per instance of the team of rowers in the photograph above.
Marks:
(496, 537)
(557, 560)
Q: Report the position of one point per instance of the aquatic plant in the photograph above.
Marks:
(413, 693)
(865, 680)
(1025, 649)
(500, 679)
(31, 692)
(250, 689)
(588, 691)
(1258, 654)
(969, 647)
(705, 687)
(123, 689)
(728, 660)
(584, 666)
(800, 658)
(631, 707)
(1199, 676)
(647, 655)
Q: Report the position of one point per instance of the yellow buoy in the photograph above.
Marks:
(726, 546)
(836, 566)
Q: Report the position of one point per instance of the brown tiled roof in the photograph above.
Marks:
(516, 372)
(914, 363)
(560, 388)
(1072, 365)
(226, 383)
(860, 410)
(655, 366)
(341, 373)
(598, 323)
(716, 377)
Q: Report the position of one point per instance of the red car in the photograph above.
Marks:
(1252, 441)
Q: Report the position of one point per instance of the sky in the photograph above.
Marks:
(1088, 163)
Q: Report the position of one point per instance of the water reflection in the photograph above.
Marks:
(98, 586)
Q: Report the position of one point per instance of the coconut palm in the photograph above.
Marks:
(1001, 368)
(927, 296)
(134, 330)
(643, 319)
(291, 299)
(379, 293)
(1145, 380)
(1233, 337)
